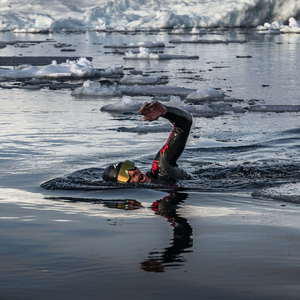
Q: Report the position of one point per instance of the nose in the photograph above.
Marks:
(131, 172)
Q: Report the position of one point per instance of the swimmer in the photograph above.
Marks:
(164, 166)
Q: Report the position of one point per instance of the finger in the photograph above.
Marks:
(143, 106)
(147, 118)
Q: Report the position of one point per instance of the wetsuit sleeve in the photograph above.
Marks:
(171, 151)
(182, 121)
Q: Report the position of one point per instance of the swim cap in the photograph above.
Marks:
(118, 172)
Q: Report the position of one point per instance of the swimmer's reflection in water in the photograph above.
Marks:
(128, 204)
(182, 232)
(167, 208)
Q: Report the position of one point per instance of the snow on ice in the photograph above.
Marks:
(81, 68)
(130, 16)
(145, 54)
(125, 104)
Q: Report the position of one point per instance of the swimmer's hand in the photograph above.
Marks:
(152, 111)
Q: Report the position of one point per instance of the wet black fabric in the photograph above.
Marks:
(165, 162)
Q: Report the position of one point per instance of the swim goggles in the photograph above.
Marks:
(123, 175)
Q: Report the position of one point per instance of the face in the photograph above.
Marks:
(137, 176)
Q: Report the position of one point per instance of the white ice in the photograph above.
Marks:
(293, 27)
(93, 88)
(129, 16)
(204, 94)
(146, 44)
(145, 54)
(143, 80)
(81, 68)
(126, 104)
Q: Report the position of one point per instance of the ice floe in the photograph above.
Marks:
(73, 69)
(94, 88)
(204, 94)
(81, 68)
(293, 27)
(278, 26)
(142, 80)
(146, 44)
(124, 105)
(145, 54)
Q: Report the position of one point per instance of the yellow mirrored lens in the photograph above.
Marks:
(123, 175)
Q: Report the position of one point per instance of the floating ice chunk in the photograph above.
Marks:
(146, 44)
(146, 55)
(178, 31)
(196, 30)
(126, 104)
(294, 23)
(73, 69)
(261, 28)
(31, 30)
(270, 31)
(267, 28)
(175, 101)
(91, 84)
(22, 30)
(293, 27)
(276, 25)
(81, 68)
(112, 72)
(93, 88)
(142, 80)
(204, 94)
(23, 71)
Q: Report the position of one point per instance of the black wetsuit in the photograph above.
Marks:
(164, 165)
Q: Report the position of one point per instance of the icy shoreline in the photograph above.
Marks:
(132, 16)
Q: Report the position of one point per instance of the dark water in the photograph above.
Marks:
(180, 245)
